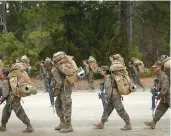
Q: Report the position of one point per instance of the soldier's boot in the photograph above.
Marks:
(61, 125)
(67, 128)
(127, 126)
(151, 124)
(3, 128)
(29, 129)
(99, 125)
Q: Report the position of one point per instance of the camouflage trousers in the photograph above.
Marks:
(136, 80)
(14, 105)
(63, 103)
(161, 109)
(115, 103)
(90, 80)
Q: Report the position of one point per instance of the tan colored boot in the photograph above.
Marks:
(67, 128)
(99, 125)
(151, 124)
(61, 125)
(29, 129)
(3, 128)
(127, 126)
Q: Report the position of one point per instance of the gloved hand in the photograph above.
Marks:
(106, 102)
(158, 97)
(1, 99)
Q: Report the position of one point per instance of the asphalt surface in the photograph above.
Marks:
(87, 110)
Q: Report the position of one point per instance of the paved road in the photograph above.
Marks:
(87, 109)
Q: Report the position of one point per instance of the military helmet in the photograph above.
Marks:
(163, 57)
(5, 71)
(55, 55)
(25, 59)
(117, 56)
(157, 63)
(48, 61)
(104, 68)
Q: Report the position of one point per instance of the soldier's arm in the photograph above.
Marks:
(164, 85)
(5, 88)
(57, 78)
(108, 87)
(135, 70)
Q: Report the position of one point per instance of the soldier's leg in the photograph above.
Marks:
(50, 91)
(118, 105)
(20, 113)
(67, 105)
(6, 113)
(160, 110)
(59, 111)
(105, 115)
(137, 78)
(91, 81)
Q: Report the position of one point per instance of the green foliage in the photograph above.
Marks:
(83, 28)
(10, 48)
(134, 51)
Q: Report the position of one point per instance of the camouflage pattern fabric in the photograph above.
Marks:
(62, 91)
(90, 79)
(165, 97)
(114, 100)
(12, 104)
(135, 77)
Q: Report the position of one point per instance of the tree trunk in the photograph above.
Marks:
(3, 22)
(126, 20)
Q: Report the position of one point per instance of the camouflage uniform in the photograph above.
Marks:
(63, 103)
(165, 97)
(49, 88)
(90, 79)
(114, 101)
(135, 76)
(13, 103)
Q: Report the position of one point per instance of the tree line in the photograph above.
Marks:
(83, 28)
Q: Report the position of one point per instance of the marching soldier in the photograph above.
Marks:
(164, 96)
(135, 75)
(89, 74)
(114, 101)
(62, 91)
(12, 103)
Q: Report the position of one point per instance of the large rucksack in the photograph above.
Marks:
(67, 66)
(166, 63)
(139, 65)
(120, 75)
(119, 58)
(93, 64)
(20, 81)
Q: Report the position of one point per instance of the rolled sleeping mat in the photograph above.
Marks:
(30, 89)
(81, 73)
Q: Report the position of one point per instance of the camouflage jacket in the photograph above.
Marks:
(135, 70)
(165, 87)
(6, 89)
(110, 87)
(57, 79)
